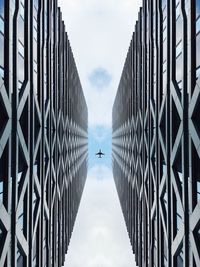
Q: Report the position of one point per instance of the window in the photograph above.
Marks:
(198, 42)
(1, 25)
(44, 242)
(35, 37)
(2, 72)
(179, 258)
(36, 4)
(198, 190)
(2, 8)
(198, 232)
(35, 34)
(1, 49)
(179, 66)
(34, 253)
(178, 8)
(21, 220)
(197, 8)
(179, 219)
(21, 29)
(198, 25)
(20, 258)
(1, 191)
(164, 4)
(180, 85)
(20, 68)
(21, 49)
(179, 49)
(165, 253)
(187, 6)
(155, 242)
(198, 50)
(2, 38)
(164, 33)
(197, 72)
(21, 37)
(179, 29)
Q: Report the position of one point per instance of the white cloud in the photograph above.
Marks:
(100, 78)
(100, 32)
(100, 238)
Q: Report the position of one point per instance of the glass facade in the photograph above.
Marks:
(21, 45)
(43, 144)
(197, 38)
(158, 165)
(2, 38)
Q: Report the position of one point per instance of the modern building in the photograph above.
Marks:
(156, 135)
(43, 135)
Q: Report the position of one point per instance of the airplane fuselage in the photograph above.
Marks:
(100, 154)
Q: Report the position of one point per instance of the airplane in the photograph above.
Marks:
(100, 154)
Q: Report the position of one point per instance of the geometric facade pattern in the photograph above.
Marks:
(156, 135)
(43, 135)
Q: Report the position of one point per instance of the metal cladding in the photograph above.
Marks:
(156, 135)
(43, 135)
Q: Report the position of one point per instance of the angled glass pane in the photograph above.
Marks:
(1, 25)
(197, 8)
(198, 25)
(2, 50)
(2, 8)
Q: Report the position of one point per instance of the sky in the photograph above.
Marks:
(100, 32)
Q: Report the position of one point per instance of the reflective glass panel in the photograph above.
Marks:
(179, 63)
(187, 6)
(198, 191)
(179, 48)
(198, 50)
(36, 4)
(20, 68)
(2, 8)
(197, 8)
(21, 29)
(1, 25)
(177, 8)
(165, 33)
(21, 49)
(35, 33)
(178, 29)
(180, 258)
(197, 72)
(164, 3)
(21, 221)
(2, 72)
(198, 25)
(20, 258)
(1, 191)
(2, 50)
(178, 215)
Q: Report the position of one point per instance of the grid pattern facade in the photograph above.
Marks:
(156, 137)
(43, 135)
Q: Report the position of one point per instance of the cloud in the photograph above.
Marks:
(100, 78)
(100, 238)
(100, 133)
(100, 34)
